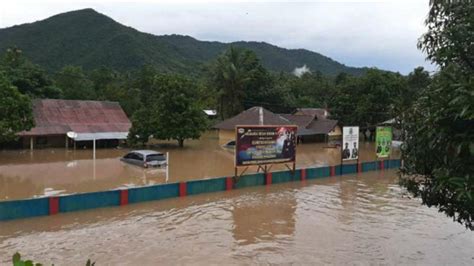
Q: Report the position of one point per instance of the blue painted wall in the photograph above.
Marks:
(39, 207)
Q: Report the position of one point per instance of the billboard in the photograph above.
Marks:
(383, 142)
(350, 143)
(256, 145)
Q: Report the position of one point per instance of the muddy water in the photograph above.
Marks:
(359, 220)
(25, 174)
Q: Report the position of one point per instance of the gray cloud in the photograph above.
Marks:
(381, 34)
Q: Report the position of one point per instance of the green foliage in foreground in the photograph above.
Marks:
(438, 153)
(17, 261)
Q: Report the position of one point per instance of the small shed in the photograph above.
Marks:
(88, 120)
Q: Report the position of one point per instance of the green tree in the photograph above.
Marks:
(75, 84)
(237, 76)
(438, 153)
(29, 78)
(144, 124)
(180, 117)
(15, 111)
(172, 112)
(366, 100)
(110, 85)
(405, 96)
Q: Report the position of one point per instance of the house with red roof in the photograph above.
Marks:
(63, 123)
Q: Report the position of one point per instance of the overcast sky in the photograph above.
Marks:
(379, 33)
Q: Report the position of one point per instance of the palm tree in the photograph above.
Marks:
(231, 73)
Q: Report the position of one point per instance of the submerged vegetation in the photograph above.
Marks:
(18, 261)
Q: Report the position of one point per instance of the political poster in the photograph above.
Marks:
(383, 142)
(350, 143)
(257, 145)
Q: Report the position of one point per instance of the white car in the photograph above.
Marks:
(145, 158)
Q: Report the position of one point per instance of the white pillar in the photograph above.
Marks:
(167, 166)
(93, 147)
(31, 142)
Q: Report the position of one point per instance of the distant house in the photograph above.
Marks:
(312, 123)
(252, 116)
(88, 120)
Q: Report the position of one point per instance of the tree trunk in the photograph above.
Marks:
(181, 143)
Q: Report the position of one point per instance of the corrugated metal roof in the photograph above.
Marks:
(252, 117)
(322, 126)
(57, 117)
(302, 121)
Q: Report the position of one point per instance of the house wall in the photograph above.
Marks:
(335, 133)
(44, 141)
(226, 136)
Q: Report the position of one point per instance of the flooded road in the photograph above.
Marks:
(25, 174)
(359, 220)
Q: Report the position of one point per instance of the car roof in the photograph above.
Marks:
(146, 152)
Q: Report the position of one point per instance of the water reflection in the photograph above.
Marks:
(361, 220)
(263, 221)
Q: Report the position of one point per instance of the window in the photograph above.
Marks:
(155, 157)
(41, 140)
(138, 156)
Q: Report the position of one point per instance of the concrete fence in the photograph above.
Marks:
(26, 208)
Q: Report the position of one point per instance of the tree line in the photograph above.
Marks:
(161, 103)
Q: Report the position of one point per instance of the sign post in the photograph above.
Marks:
(350, 145)
(383, 142)
(265, 145)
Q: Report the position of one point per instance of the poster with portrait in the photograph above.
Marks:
(257, 145)
(350, 143)
(383, 142)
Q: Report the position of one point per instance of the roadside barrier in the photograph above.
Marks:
(26, 208)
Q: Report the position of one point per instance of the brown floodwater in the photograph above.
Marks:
(44, 172)
(354, 219)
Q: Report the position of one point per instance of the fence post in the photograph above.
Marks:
(53, 205)
(123, 197)
(332, 170)
(229, 183)
(182, 189)
(268, 179)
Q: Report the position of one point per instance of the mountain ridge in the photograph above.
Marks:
(90, 39)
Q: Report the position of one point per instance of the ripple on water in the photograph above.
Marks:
(344, 220)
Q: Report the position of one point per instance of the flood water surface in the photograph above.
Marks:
(363, 219)
(25, 174)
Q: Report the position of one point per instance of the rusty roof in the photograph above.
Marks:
(322, 126)
(311, 124)
(302, 121)
(252, 117)
(57, 117)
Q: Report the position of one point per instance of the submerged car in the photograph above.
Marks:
(145, 158)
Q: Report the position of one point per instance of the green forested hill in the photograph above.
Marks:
(90, 39)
